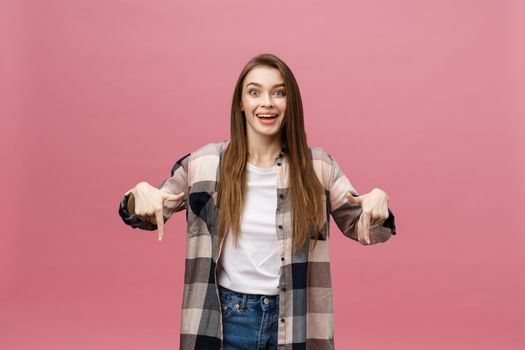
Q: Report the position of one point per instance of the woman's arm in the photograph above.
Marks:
(178, 182)
(348, 216)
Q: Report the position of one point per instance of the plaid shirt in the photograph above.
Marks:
(305, 310)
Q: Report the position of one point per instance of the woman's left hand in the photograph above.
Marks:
(375, 211)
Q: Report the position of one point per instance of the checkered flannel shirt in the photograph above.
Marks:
(305, 310)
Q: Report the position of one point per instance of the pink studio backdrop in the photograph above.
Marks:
(423, 99)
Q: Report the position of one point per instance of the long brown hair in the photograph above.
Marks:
(305, 190)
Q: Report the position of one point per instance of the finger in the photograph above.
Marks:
(379, 219)
(152, 218)
(365, 227)
(380, 215)
(144, 217)
(160, 224)
(353, 200)
(375, 219)
(173, 197)
(375, 222)
(360, 235)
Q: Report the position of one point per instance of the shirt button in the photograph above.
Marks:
(281, 196)
(283, 289)
(282, 319)
(279, 164)
(282, 258)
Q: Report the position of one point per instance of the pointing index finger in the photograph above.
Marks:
(160, 224)
(366, 227)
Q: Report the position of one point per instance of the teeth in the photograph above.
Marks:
(267, 115)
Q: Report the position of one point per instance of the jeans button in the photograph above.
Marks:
(266, 301)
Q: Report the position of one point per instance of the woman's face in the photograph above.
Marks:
(263, 92)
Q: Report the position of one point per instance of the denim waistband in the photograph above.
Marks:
(248, 300)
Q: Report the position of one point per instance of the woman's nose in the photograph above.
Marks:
(267, 100)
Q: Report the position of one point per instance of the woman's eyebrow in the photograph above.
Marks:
(253, 83)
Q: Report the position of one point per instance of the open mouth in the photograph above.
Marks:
(266, 116)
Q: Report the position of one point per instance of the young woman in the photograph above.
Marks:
(258, 208)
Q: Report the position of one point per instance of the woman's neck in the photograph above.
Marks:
(262, 153)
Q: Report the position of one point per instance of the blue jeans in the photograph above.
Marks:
(249, 320)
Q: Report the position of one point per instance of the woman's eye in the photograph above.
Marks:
(281, 92)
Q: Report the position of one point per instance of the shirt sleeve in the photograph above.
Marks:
(346, 214)
(176, 183)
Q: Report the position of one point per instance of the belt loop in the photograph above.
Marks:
(244, 301)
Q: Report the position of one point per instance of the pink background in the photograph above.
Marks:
(423, 99)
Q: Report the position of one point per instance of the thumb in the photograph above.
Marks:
(353, 200)
(173, 197)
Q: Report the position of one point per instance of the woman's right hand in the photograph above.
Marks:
(149, 201)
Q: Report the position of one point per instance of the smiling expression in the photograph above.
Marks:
(263, 101)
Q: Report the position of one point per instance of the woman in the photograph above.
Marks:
(258, 275)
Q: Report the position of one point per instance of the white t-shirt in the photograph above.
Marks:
(253, 267)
